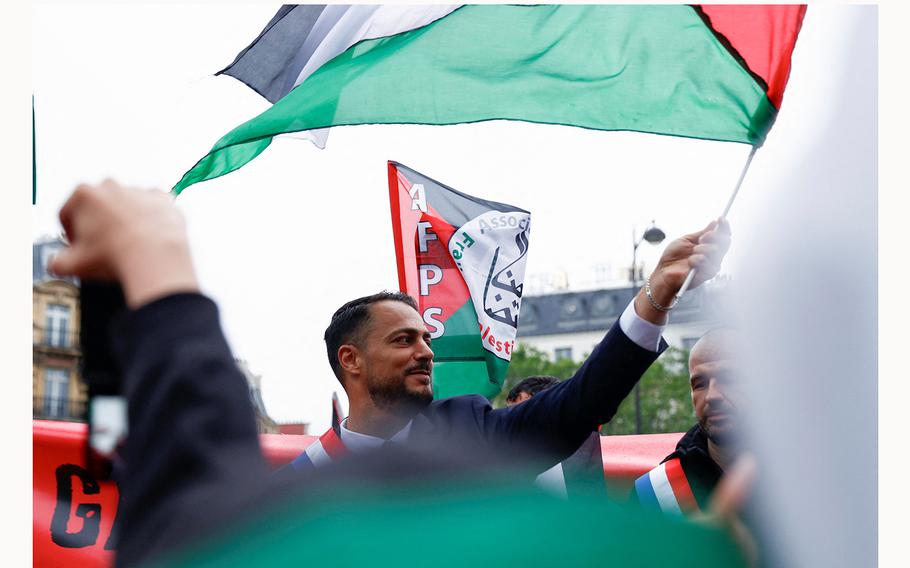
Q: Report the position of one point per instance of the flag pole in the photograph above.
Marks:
(723, 215)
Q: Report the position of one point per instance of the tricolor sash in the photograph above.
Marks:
(325, 450)
(666, 488)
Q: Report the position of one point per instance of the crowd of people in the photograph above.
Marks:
(191, 468)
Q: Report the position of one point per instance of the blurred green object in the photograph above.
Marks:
(502, 524)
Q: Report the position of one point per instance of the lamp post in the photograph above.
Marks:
(654, 236)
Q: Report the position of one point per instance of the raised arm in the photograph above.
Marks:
(561, 417)
(192, 438)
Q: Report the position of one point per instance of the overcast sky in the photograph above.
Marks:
(129, 92)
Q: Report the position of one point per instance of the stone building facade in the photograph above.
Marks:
(57, 388)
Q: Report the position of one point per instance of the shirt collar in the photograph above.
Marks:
(357, 442)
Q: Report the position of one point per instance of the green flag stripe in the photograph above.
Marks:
(462, 365)
(232, 157)
(460, 361)
(462, 377)
(462, 337)
(457, 359)
(496, 369)
(655, 69)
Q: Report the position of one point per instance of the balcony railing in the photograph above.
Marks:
(54, 408)
(56, 339)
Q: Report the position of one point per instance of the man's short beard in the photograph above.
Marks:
(394, 396)
(719, 438)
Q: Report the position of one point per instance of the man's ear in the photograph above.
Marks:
(351, 359)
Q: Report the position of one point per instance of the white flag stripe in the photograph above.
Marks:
(663, 490)
(317, 454)
(340, 27)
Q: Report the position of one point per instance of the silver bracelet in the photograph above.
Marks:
(654, 302)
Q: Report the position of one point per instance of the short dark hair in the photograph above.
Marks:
(349, 320)
(532, 386)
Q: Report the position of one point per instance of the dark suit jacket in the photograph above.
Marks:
(555, 421)
(192, 457)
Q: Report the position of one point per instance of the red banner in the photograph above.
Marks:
(74, 514)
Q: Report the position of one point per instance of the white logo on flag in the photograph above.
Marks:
(491, 252)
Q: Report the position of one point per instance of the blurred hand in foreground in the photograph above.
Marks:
(137, 237)
(727, 502)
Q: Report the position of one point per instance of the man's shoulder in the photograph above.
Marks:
(680, 453)
(463, 416)
(692, 443)
(457, 403)
(458, 411)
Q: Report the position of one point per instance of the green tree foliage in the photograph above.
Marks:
(665, 402)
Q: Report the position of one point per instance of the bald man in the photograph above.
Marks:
(684, 480)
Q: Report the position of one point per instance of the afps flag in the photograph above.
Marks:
(463, 259)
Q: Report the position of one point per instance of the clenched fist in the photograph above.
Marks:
(702, 251)
(134, 236)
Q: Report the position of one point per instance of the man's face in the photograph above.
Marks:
(398, 359)
(715, 393)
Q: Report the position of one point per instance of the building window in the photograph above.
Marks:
(562, 353)
(56, 325)
(56, 389)
(47, 253)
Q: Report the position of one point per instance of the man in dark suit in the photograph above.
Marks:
(381, 352)
(584, 467)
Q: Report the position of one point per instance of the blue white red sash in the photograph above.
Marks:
(666, 488)
(323, 451)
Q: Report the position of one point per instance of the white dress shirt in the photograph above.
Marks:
(357, 442)
(644, 333)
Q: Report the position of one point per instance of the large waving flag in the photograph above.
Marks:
(463, 258)
(301, 38)
(712, 72)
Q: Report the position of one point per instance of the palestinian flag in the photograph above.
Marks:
(301, 38)
(463, 259)
(712, 72)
